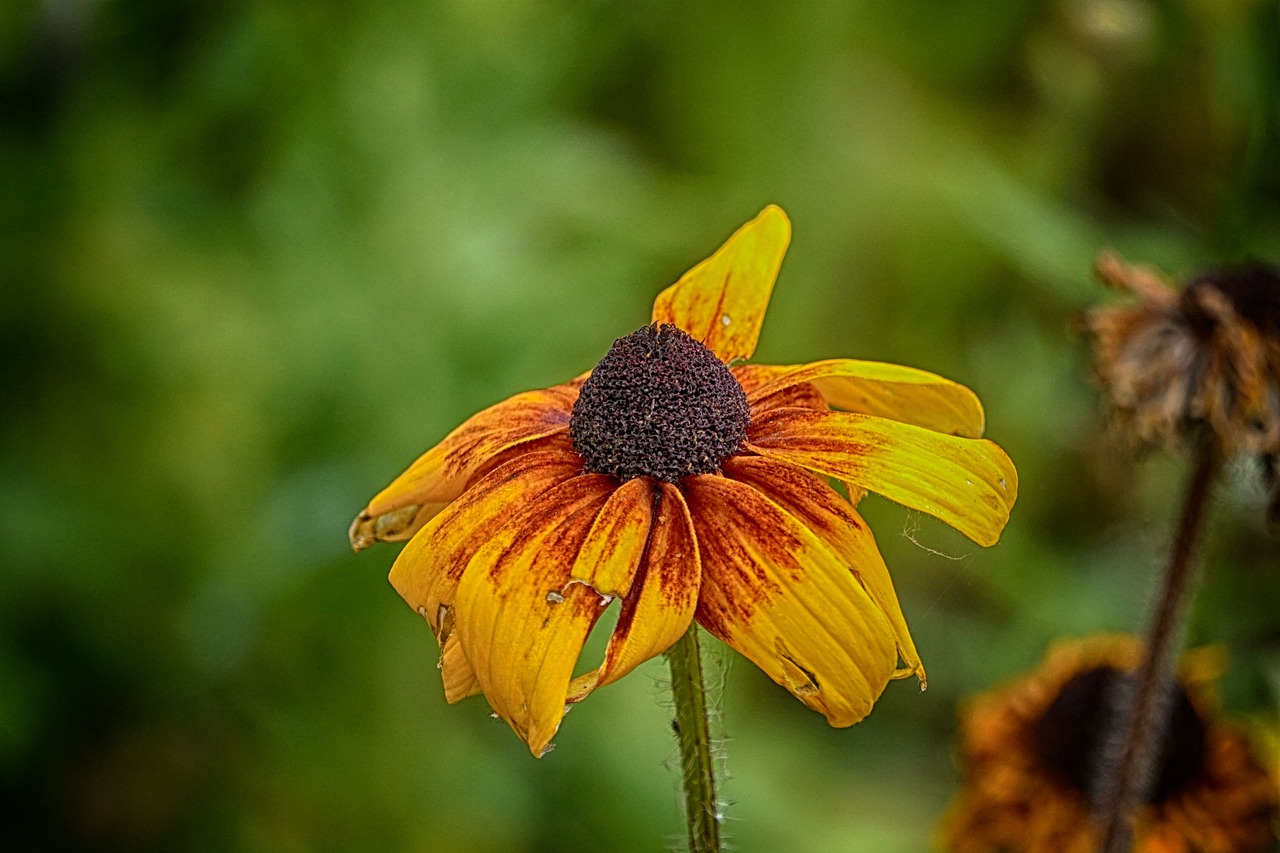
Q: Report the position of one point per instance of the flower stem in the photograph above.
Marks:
(1144, 712)
(693, 732)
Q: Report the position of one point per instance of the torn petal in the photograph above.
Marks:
(442, 473)
(523, 644)
(662, 600)
(721, 301)
(455, 671)
(968, 483)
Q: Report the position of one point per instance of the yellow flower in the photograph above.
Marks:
(1032, 747)
(685, 486)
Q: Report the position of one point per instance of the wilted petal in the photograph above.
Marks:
(427, 572)
(775, 592)
(884, 390)
(519, 620)
(662, 600)
(839, 526)
(721, 302)
(442, 473)
(968, 483)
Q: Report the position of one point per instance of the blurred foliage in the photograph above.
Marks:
(258, 255)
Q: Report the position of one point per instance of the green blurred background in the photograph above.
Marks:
(256, 256)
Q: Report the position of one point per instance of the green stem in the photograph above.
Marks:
(693, 732)
(1145, 716)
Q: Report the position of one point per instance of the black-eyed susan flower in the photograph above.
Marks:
(1200, 360)
(1032, 748)
(685, 485)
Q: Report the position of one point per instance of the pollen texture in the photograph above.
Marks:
(659, 404)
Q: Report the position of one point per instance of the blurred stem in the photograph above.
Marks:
(1144, 718)
(693, 732)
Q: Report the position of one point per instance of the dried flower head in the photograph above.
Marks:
(685, 486)
(1200, 360)
(1031, 750)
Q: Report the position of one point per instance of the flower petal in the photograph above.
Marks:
(609, 558)
(838, 525)
(968, 483)
(455, 670)
(519, 620)
(754, 376)
(775, 592)
(427, 572)
(662, 601)
(722, 300)
(442, 473)
(884, 390)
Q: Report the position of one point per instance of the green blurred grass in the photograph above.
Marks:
(257, 256)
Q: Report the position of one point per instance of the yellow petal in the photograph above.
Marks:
(661, 604)
(775, 592)
(755, 376)
(442, 473)
(884, 390)
(968, 483)
(722, 300)
(519, 620)
(427, 572)
(609, 558)
(838, 525)
(455, 670)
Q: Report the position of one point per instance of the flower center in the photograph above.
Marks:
(1253, 289)
(661, 405)
(1072, 733)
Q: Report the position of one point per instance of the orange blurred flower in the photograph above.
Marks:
(1030, 750)
(687, 486)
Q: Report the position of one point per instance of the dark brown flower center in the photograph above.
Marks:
(659, 404)
(1253, 289)
(1073, 732)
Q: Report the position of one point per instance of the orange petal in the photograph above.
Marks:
(661, 604)
(519, 620)
(427, 572)
(838, 525)
(442, 473)
(455, 670)
(722, 300)
(884, 390)
(608, 560)
(968, 483)
(775, 592)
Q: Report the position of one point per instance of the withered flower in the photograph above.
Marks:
(1200, 360)
(1032, 747)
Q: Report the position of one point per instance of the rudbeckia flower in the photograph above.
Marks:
(1200, 360)
(1032, 748)
(685, 486)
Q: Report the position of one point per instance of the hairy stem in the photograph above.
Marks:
(1144, 712)
(693, 732)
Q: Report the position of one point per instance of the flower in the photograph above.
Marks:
(686, 486)
(1030, 749)
(1204, 359)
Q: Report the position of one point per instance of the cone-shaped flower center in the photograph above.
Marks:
(1073, 732)
(659, 404)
